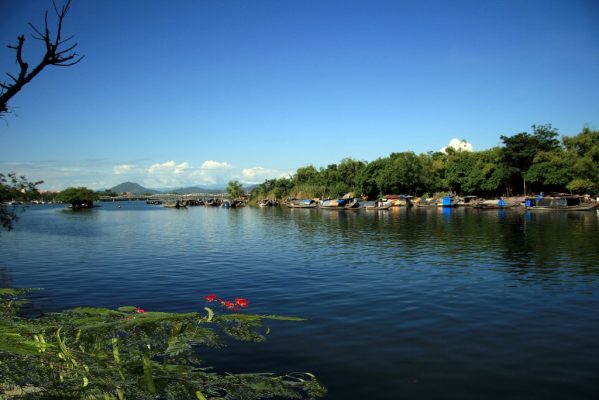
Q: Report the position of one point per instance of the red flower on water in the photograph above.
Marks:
(243, 303)
(229, 304)
(210, 298)
(139, 310)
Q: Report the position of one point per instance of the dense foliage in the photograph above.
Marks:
(80, 197)
(234, 189)
(130, 353)
(14, 189)
(525, 163)
(107, 192)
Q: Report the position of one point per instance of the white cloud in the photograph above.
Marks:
(259, 174)
(181, 167)
(103, 174)
(167, 174)
(459, 145)
(210, 164)
(212, 172)
(203, 177)
(168, 167)
(122, 168)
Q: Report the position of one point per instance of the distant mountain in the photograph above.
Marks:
(195, 189)
(132, 187)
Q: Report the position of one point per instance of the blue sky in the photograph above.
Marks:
(185, 93)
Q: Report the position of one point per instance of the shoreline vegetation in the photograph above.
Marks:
(526, 163)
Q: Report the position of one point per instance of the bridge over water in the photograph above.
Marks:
(165, 197)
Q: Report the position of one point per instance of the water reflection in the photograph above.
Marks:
(518, 242)
(5, 277)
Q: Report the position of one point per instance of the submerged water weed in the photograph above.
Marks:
(132, 353)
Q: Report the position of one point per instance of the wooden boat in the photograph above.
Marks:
(194, 203)
(212, 203)
(268, 203)
(560, 203)
(340, 204)
(493, 204)
(354, 205)
(398, 200)
(174, 204)
(233, 203)
(386, 207)
(448, 201)
(469, 201)
(425, 202)
(381, 204)
(306, 203)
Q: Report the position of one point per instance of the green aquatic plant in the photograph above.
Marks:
(131, 353)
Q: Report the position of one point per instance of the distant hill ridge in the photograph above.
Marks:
(194, 189)
(132, 187)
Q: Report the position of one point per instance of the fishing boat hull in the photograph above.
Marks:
(379, 208)
(340, 204)
(306, 203)
(560, 203)
(447, 201)
(174, 205)
(302, 205)
(584, 207)
(493, 204)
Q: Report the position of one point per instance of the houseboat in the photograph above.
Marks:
(560, 202)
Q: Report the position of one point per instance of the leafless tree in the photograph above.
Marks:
(56, 54)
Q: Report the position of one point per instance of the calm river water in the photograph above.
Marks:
(406, 304)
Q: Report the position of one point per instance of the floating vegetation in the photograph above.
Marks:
(132, 353)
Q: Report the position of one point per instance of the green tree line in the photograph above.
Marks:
(524, 163)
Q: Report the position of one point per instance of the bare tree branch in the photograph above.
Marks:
(12, 77)
(54, 55)
(66, 50)
(40, 35)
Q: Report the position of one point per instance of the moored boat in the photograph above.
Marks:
(398, 200)
(560, 203)
(306, 203)
(194, 202)
(448, 201)
(212, 203)
(469, 201)
(388, 206)
(233, 203)
(268, 203)
(340, 204)
(425, 202)
(494, 204)
(174, 204)
(381, 204)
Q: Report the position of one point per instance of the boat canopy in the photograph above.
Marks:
(554, 201)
